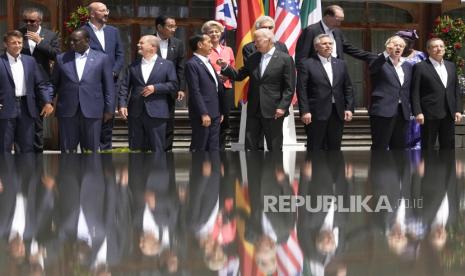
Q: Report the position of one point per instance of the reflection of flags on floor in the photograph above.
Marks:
(225, 13)
(289, 255)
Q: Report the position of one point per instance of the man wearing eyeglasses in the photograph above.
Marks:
(332, 18)
(106, 39)
(43, 45)
(173, 50)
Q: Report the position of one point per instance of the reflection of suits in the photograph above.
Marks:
(87, 98)
(204, 99)
(267, 93)
(437, 103)
(315, 94)
(328, 179)
(23, 110)
(144, 111)
(305, 47)
(269, 185)
(389, 118)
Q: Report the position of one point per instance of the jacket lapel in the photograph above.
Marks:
(25, 70)
(407, 73)
(107, 38)
(323, 71)
(270, 64)
(450, 73)
(94, 37)
(335, 69)
(433, 71)
(7, 65)
(89, 63)
(156, 67)
(203, 65)
(138, 68)
(393, 71)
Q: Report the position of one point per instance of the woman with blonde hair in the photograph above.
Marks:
(215, 30)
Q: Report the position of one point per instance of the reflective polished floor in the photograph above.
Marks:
(230, 213)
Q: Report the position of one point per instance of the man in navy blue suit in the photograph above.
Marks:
(205, 95)
(86, 93)
(144, 96)
(106, 39)
(22, 82)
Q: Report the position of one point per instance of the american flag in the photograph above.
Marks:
(287, 21)
(225, 13)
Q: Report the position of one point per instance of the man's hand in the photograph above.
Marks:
(221, 118)
(223, 64)
(123, 111)
(46, 110)
(34, 37)
(148, 90)
(206, 120)
(420, 118)
(180, 95)
(279, 113)
(348, 115)
(107, 116)
(458, 117)
(306, 118)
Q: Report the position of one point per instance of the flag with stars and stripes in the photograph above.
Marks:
(287, 21)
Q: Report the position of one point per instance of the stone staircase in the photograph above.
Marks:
(356, 133)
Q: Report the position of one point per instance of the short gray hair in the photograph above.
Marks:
(431, 40)
(153, 40)
(39, 12)
(317, 39)
(263, 19)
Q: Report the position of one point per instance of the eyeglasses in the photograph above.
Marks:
(267, 27)
(173, 28)
(29, 21)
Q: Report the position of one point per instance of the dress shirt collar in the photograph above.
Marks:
(95, 29)
(161, 39)
(39, 29)
(149, 61)
(78, 55)
(204, 59)
(324, 60)
(270, 52)
(12, 59)
(436, 63)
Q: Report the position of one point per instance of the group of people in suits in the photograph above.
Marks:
(85, 81)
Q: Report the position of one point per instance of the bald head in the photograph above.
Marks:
(98, 13)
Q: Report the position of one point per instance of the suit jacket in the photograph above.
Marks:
(272, 90)
(163, 78)
(305, 47)
(204, 96)
(177, 54)
(45, 51)
(315, 91)
(429, 96)
(94, 93)
(387, 90)
(37, 86)
(113, 45)
(250, 49)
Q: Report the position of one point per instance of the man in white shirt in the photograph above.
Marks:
(436, 98)
(22, 82)
(144, 96)
(86, 94)
(43, 45)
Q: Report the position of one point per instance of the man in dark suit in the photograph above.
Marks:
(332, 17)
(84, 84)
(106, 39)
(171, 49)
(263, 22)
(143, 97)
(23, 81)
(205, 95)
(272, 83)
(390, 98)
(436, 100)
(43, 45)
(325, 96)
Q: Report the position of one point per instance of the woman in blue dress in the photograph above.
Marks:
(412, 56)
